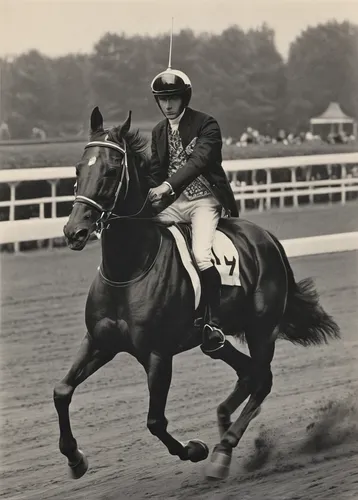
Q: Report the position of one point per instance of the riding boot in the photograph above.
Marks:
(213, 337)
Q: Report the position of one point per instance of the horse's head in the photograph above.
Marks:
(102, 180)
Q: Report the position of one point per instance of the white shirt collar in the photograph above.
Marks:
(174, 124)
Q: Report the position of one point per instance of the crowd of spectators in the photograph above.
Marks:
(252, 136)
(309, 173)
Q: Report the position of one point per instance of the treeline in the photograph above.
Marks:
(237, 76)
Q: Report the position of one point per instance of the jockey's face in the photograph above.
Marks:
(171, 106)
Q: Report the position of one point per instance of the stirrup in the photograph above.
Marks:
(220, 343)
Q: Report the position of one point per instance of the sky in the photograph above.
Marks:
(57, 27)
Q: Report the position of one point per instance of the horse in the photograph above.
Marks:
(141, 300)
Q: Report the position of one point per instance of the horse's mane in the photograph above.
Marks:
(138, 146)
(136, 143)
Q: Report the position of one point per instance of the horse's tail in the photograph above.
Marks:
(304, 321)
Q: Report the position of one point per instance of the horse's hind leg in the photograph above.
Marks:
(259, 386)
(87, 361)
(231, 403)
(243, 366)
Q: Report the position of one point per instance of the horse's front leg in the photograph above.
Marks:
(88, 360)
(159, 371)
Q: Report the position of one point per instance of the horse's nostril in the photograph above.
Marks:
(81, 234)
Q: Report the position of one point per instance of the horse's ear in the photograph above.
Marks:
(126, 125)
(96, 120)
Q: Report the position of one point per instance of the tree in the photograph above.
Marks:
(238, 77)
(322, 67)
(5, 89)
(243, 77)
(72, 92)
(121, 69)
(32, 96)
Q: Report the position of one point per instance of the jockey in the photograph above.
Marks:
(186, 178)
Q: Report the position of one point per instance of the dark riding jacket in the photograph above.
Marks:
(204, 159)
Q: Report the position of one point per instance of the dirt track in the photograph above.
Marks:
(42, 325)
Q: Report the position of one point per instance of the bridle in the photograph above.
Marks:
(107, 213)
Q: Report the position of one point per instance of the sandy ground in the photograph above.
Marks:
(303, 446)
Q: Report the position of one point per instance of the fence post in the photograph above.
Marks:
(53, 196)
(53, 205)
(261, 200)
(41, 216)
(282, 197)
(343, 186)
(254, 190)
(329, 171)
(12, 209)
(293, 181)
(242, 199)
(234, 178)
(268, 181)
(42, 210)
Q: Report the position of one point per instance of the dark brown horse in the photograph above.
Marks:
(142, 302)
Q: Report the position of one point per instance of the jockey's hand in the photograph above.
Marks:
(156, 194)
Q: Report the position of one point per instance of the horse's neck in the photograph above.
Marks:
(129, 245)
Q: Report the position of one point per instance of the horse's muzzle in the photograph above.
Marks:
(80, 225)
(76, 239)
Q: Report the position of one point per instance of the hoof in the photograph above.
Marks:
(197, 450)
(78, 469)
(219, 465)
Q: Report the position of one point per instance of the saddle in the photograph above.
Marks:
(225, 256)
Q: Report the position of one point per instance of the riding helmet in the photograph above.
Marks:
(172, 82)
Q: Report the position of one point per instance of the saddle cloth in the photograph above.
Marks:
(225, 258)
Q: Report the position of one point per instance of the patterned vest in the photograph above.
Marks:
(177, 159)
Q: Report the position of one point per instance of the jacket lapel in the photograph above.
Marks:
(185, 128)
(163, 142)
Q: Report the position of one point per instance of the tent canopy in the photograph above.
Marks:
(333, 114)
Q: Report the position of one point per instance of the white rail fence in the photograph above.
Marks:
(16, 231)
(28, 230)
(264, 193)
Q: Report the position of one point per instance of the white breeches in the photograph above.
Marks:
(203, 215)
